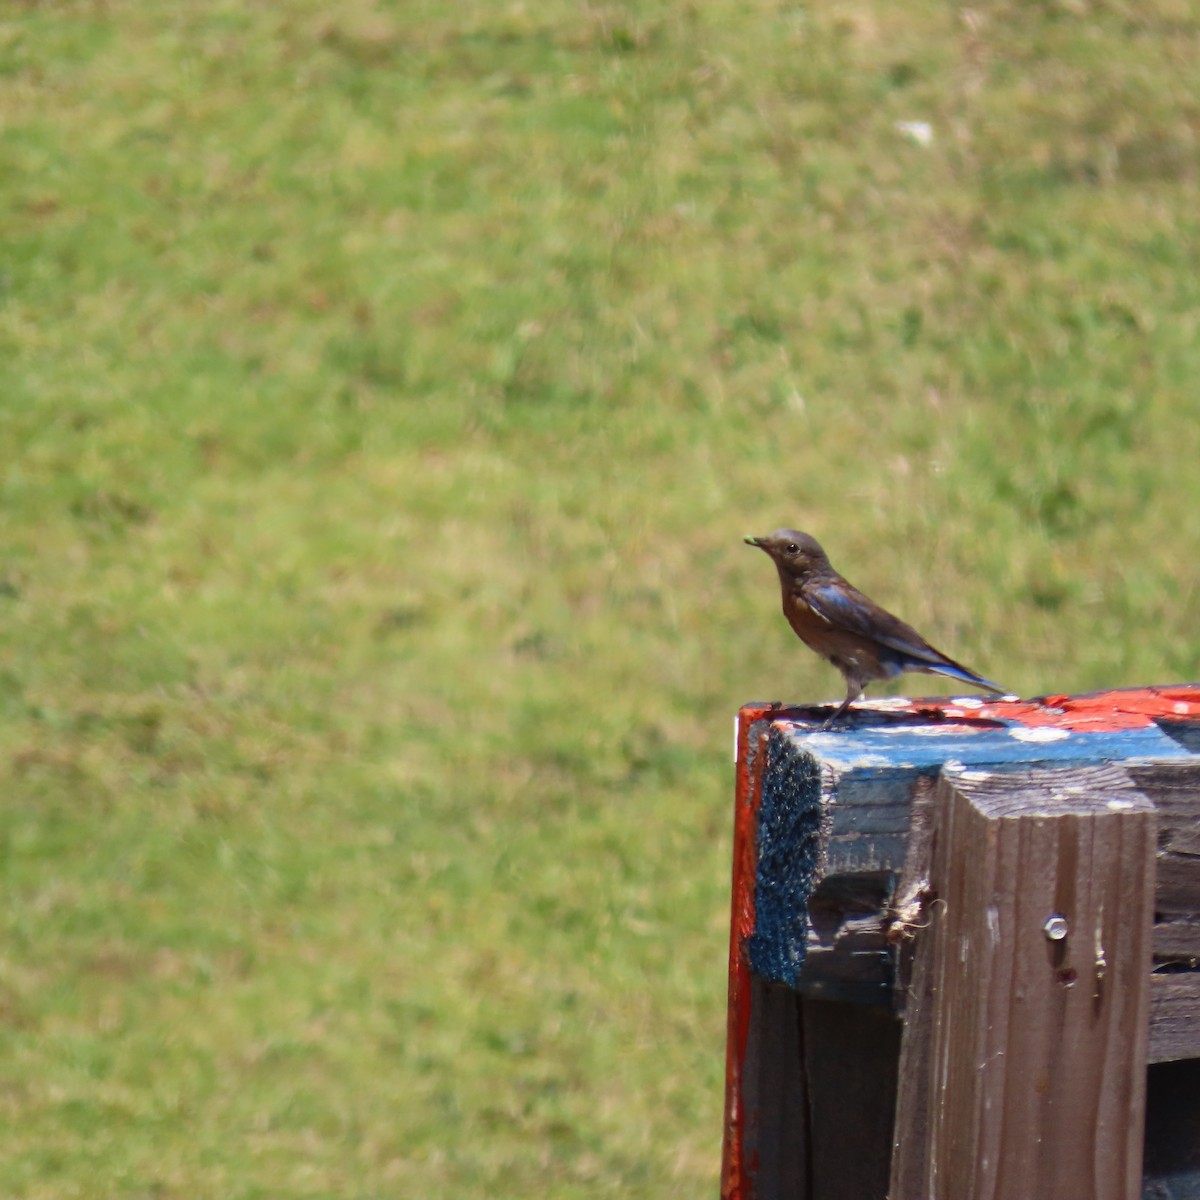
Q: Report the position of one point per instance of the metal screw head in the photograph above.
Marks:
(1055, 928)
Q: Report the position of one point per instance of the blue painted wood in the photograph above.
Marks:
(789, 818)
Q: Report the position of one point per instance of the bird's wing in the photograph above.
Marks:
(845, 607)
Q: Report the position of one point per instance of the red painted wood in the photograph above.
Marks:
(1095, 712)
(734, 1176)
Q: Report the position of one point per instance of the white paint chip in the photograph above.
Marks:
(1039, 733)
(993, 923)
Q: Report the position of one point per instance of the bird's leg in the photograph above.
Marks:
(854, 689)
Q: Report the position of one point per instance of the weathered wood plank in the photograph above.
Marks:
(781, 1141)
(1177, 939)
(1031, 1048)
(777, 1136)
(1174, 1016)
(1175, 789)
(847, 955)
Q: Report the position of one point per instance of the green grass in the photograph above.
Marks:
(386, 388)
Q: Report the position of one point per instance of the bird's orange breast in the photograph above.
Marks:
(810, 629)
(846, 650)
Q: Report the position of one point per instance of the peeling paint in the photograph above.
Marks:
(1040, 733)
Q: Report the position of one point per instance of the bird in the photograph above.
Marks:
(832, 617)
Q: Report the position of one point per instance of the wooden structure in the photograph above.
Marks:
(965, 951)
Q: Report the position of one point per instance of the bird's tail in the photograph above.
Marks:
(955, 671)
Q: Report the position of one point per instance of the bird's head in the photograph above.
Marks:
(793, 552)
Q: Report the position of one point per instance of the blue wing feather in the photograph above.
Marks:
(845, 608)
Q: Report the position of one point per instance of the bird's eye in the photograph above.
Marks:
(792, 548)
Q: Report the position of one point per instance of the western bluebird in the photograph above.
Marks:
(830, 616)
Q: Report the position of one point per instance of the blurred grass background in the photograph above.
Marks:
(387, 387)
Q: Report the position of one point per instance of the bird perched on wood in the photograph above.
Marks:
(832, 617)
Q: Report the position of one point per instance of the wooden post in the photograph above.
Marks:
(835, 832)
(1024, 1061)
(810, 1083)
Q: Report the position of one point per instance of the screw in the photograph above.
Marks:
(1055, 928)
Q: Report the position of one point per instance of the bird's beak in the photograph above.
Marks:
(753, 541)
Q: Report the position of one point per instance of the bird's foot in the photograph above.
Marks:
(839, 712)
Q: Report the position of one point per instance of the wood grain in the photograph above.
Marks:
(1174, 1016)
(1023, 1066)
